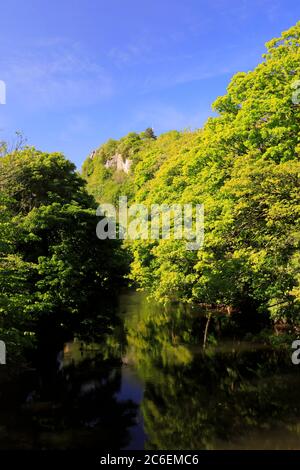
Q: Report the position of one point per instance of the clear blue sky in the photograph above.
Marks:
(81, 71)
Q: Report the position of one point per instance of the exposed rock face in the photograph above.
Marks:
(92, 154)
(117, 162)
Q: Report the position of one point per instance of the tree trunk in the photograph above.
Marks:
(206, 330)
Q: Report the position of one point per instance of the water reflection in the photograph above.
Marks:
(75, 407)
(151, 385)
(235, 395)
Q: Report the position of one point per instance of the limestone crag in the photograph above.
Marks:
(117, 162)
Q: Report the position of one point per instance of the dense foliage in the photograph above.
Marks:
(53, 269)
(244, 166)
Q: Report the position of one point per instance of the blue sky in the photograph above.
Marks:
(81, 71)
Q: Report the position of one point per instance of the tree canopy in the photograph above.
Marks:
(53, 268)
(243, 165)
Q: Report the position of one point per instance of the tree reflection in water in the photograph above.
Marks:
(235, 395)
(74, 407)
(150, 384)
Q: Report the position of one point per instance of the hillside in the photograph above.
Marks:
(244, 166)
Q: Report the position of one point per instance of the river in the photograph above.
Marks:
(151, 386)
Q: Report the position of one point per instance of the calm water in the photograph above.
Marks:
(150, 386)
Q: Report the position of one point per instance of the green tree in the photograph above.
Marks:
(148, 133)
(53, 268)
(243, 165)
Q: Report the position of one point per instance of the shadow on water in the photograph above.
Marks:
(149, 384)
(74, 405)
